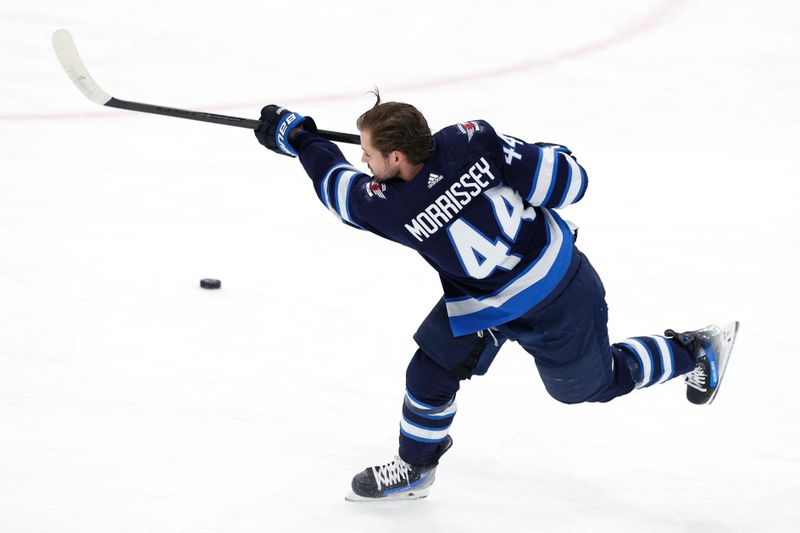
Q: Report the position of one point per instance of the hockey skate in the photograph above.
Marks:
(711, 347)
(396, 480)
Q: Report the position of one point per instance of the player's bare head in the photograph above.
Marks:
(395, 126)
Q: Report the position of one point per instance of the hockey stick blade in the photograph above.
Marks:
(71, 62)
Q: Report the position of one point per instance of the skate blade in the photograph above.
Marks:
(396, 497)
(729, 332)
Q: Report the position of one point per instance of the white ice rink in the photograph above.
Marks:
(133, 401)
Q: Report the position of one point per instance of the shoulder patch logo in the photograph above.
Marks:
(375, 188)
(469, 129)
(433, 179)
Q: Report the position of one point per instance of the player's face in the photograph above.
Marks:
(383, 167)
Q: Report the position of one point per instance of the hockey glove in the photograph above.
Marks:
(276, 124)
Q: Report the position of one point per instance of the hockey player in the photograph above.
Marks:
(480, 208)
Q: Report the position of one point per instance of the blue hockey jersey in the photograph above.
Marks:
(481, 212)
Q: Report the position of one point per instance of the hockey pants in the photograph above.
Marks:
(568, 339)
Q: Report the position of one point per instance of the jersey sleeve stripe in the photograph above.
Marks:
(584, 183)
(575, 181)
(344, 184)
(543, 179)
(336, 198)
(323, 188)
(325, 185)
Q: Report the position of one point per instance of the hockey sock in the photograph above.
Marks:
(658, 359)
(428, 409)
(422, 428)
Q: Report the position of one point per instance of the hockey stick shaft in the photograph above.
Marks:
(68, 56)
(217, 119)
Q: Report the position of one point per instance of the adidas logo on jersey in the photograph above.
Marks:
(433, 179)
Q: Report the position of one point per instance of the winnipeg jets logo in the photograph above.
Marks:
(374, 188)
(433, 179)
(469, 129)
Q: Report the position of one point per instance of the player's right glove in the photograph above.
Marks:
(276, 124)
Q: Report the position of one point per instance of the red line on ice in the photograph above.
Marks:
(652, 20)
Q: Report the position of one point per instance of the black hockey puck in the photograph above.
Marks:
(209, 283)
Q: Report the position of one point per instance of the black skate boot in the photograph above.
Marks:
(711, 347)
(396, 480)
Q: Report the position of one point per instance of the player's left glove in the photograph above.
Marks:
(276, 124)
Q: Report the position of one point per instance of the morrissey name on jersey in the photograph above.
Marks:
(450, 203)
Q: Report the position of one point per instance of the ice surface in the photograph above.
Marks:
(131, 400)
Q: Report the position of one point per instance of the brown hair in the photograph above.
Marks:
(397, 126)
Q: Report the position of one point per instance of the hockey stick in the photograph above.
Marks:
(68, 56)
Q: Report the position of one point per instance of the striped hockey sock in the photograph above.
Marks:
(659, 359)
(423, 427)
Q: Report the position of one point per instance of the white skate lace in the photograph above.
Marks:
(696, 379)
(391, 473)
